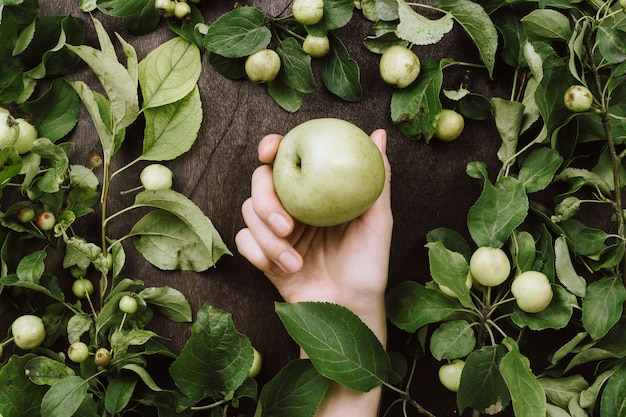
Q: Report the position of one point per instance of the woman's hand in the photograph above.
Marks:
(345, 264)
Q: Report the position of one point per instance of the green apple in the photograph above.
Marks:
(78, 352)
(532, 291)
(263, 66)
(308, 12)
(257, 363)
(9, 130)
(316, 46)
(448, 125)
(28, 331)
(156, 177)
(399, 66)
(489, 266)
(327, 172)
(450, 374)
(26, 138)
(578, 98)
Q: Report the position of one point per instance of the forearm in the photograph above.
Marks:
(341, 401)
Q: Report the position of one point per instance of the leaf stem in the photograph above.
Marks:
(209, 406)
(408, 400)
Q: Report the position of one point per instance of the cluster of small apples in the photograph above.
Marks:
(43, 220)
(79, 351)
(179, 9)
(490, 267)
(263, 66)
(399, 66)
(16, 132)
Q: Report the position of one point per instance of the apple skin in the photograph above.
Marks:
(327, 172)
(532, 291)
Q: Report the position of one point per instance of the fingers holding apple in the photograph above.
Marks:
(267, 251)
(266, 205)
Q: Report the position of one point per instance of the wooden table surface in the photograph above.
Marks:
(429, 189)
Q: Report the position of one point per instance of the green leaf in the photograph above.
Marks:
(340, 345)
(561, 391)
(216, 358)
(296, 391)
(45, 371)
(238, 33)
(45, 55)
(54, 113)
(80, 252)
(78, 325)
(337, 14)
(144, 21)
(119, 87)
(19, 396)
(340, 73)
(585, 177)
(296, 65)
(478, 26)
(99, 110)
(508, 116)
(565, 271)
(142, 373)
(603, 306)
(554, 79)
(524, 250)
(411, 306)
(47, 285)
(195, 226)
(452, 340)
(32, 267)
(508, 22)
(421, 30)
(589, 396)
(172, 129)
(119, 392)
(483, 387)
(11, 165)
(451, 239)
(64, 397)
(613, 400)
(611, 44)
(170, 243)
(450, 269)
(547, 24)
(497, 212)
(121, 340)
(414, 108)
(169, 301)
(538, 168)
(169, 73)
(287, 98)
(527, 395)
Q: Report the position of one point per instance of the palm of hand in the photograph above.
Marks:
(342, 264)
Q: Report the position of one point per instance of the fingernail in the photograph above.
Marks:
(289, 262)
(279, 224)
